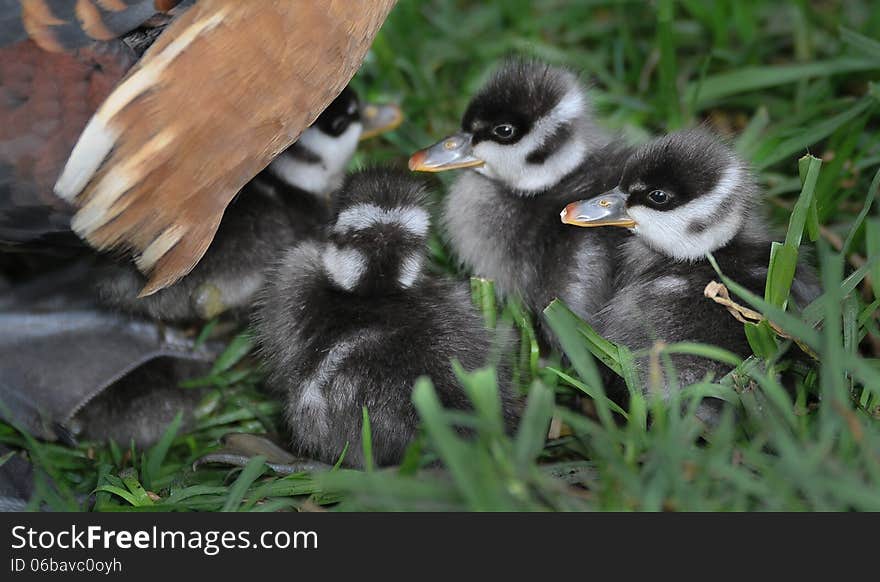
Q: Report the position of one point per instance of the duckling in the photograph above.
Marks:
(531, 146)
(285, 203)
(354, 320)
(683, 195)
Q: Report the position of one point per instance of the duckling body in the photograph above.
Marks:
(227, 278)
(683, 195)
(353, 321)
(286, 203)
(530, 145)
(662, 300)
(517, 240)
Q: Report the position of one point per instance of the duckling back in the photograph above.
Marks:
(354, 320)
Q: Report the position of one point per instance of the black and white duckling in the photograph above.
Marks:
(354, 320)
(285, 203)
(683, 195)
(531, 146)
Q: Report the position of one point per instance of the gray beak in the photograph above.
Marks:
(379, 119)
(608, 209)
(455, 151)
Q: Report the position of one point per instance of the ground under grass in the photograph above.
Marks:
(783, 80)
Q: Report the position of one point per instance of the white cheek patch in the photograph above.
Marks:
(337, 151)
(411, 218)
(509, 164)
(321, 177)
(345, 267)
(570, 107)
(668, 231)
(410, 270)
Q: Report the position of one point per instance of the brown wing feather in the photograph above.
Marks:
(227, 87)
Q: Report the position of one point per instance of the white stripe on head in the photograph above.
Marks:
(360, 216)
(667, 231)
(508, 163)
(322, 177)
(345, 266)
(410, 270)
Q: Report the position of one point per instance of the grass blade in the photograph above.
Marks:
(869, 46)
(774, 151)
(251, 472)
(237, 349)
(718, 87)
(367, 439)
(532, 432)
(158, 452)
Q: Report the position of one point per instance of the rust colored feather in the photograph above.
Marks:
(46, 99)
(65, 25)
(227, 87)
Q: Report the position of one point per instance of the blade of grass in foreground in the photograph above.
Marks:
(532, 431)
(481, 387)
(367, 439)
(453, 451)
(780, 317)
(784, 257)
(483, 297)
(576, 331)
(587, 390)
(568, 328)
(158, 452)
(249, 474)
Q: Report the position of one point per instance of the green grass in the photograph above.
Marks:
(782, 79)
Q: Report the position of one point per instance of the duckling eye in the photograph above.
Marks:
(658, 197)
(504, 131)
(339, 125)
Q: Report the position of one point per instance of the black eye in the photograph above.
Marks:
(339, 125)
(658, 197)
(504, 131)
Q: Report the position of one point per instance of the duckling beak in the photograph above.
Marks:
(608, 209)
(379, 119)
(450, 153)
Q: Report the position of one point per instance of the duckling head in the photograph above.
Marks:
(316, 162)
(685, 194)
(376, 243)
(528, 127)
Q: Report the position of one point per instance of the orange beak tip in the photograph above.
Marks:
(416, 161)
